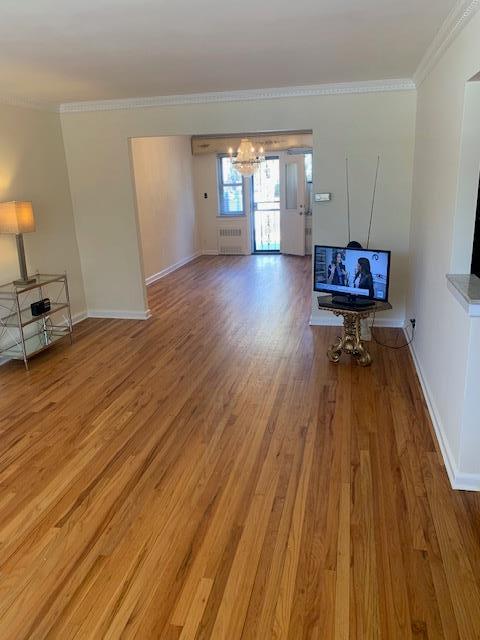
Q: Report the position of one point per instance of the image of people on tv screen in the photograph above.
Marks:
(363, 276)
(337, 272)
(355, 271)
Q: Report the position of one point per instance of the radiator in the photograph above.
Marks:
(230, 241)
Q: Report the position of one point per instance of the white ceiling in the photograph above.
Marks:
(60, 50)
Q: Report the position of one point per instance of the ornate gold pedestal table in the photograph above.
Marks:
(351, 341)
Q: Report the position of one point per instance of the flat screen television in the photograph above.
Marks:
(352, 276)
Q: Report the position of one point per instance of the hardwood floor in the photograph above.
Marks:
(209, 474)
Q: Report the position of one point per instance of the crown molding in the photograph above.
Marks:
(27, 103)
(402, 84)
(304, 91)
(457, 19)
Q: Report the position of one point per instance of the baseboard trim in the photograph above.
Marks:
(333, 321)
(466, 481)
(76, 318)
(458, 480)
(79, 317)
(210, 252)
(164, 272)
(119, 315)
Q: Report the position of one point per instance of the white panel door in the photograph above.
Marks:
(292, 204)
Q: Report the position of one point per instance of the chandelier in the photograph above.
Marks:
(248, 159)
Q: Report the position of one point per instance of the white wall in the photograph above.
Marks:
(360, 125)
(33, 167)
(164, 191)
(205, 181)
(447, 338)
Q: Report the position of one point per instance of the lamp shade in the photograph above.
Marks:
(16, 217)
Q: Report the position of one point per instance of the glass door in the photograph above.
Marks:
(266, 206)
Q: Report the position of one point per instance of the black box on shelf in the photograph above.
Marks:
(40, 307)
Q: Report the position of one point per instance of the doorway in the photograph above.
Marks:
(268, 212)
(266, 206)
(280, 202)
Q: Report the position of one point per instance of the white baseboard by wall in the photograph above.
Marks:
(210, 252)
(79, 317)
(130, 315)
(458, 480)
(164, 272)
(145, 315)
(119, 315)
(76, 318)
(327, 321)
(334, 321)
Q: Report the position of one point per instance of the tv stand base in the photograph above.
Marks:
(350, 342)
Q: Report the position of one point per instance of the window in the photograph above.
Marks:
(230, 187)
(308, 167)
(309, 180)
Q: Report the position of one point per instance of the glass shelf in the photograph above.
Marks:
(35, 333)
(27, 318)
(40, 279)
(35, 343)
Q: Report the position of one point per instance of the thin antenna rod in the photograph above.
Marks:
(373, 200)
(348, 200)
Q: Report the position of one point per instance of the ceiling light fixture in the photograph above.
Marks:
(248, 159)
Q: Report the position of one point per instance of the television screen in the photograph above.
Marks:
(353, 272)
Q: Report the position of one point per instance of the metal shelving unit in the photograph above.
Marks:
(23, 335)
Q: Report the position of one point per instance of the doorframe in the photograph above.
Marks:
(251, 217)
(290, 214)
(249, 200)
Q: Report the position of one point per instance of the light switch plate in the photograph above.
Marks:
(323, 197)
